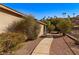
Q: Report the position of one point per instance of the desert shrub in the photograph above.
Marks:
(64, 26)
(10, 40)
(28, 25)
(55, 21)
(51, 28)
(52, 24)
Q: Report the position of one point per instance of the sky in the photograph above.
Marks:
(39, 10)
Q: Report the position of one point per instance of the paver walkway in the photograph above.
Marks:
(43, 47)
(59, 47)
(72, 45)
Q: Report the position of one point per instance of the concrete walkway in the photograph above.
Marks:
(43, 47)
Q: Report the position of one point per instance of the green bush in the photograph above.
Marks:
(10, 40)
(28, 26)
(51, 28)
(64, 26)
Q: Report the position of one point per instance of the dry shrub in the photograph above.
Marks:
(10, 40)
(28, 25)
(51, 28)
(65, 26)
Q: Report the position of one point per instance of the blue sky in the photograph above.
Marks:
(39, 10)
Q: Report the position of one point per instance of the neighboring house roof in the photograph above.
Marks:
(14, 12)
(41, 22)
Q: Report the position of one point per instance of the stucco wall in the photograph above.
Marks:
(5, 20)
(41, 30)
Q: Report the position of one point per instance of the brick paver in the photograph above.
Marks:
(59, 47)
(72, 45)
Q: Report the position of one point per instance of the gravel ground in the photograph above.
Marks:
(59, 47)
(72, 45)
(27, 47)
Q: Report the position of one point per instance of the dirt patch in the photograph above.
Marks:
(28, 47)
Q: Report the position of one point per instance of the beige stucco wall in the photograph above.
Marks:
(5, 20)
(41, 30)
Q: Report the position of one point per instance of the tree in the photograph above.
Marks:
(51, 28)
(55, 16)
(48, 25)
(55, 22)
(73, 14)
(77, 17)
(64, 26)
(64, 14)
(43, 19)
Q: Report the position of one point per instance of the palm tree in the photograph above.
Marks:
(73, 14)
(64, 14)
(55, 16)
(49, 17)
(43, 18)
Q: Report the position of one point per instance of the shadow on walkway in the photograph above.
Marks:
(47, 36)
(57, 36)
(52, 36)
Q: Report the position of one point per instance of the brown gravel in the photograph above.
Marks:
(59, 47)
(28, 47)
(72, 45)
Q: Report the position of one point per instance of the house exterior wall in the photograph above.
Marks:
(5, 20)
(8, 16)
(41, 30)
